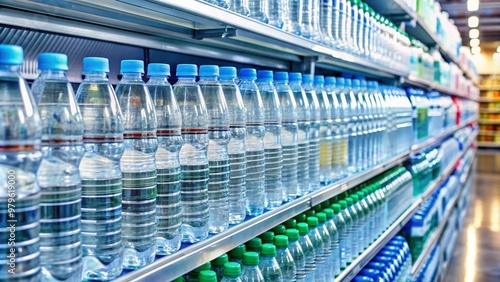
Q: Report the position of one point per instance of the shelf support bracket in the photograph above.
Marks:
(215, 33)
(307, 65)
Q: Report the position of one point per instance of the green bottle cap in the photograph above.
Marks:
(303, 228)
(312, 221)
(321, 217)
(250, 258)
(220, 261)
(291, 223)
(361, 194)
(231, 269)
(178, 279)
(343, 204)
(237, 253)
(310, 213)
(279, 229)
(205, 266)
(207, 276)
(292, 234)
(329, 213)
(301, 217)
(355, 198)
(336, 208)
(281, 241)
(349, 201)
(317, 208)
(267, 237)
(325, 204)
(268, 250)
(254, 244)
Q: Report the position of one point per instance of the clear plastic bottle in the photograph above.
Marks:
(362, 128)
(314, 138)
(325, 131)
(319, 248)
(369, 218)
(258, 10)
(294, 17)
(169, 122)
(357, 218)
(309, 251)
(193, 155)
(326, 10)
(336, 25)
(138, 167)
(345, 25)
(371, 144)
(218, 157)
(254, 245)
(307, 19)
(337, 169)
(363, 221)
(297, 253)
(100, 173)
(272, 139)
(236, 146)
(289, 136)
(276, 9)
(240, 7)
(279, 229)
(334, 241)
(343, 98)
(367, 28)
(232, 272)
(193, 275)
(285, 258)
(20, 157)
(269, 265)
(254, 142)
(236, 254)
(352, 11)
(326, 237)
(344, 238)
(217, 265)
(316, 22)
(304, 125)
(354, 128)
(351, 224)
(360, 27)
(58, 175)
(250, 271)
(221, 3)
(267, 237)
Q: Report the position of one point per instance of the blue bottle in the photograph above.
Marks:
(254, 141)
(20, 157)
(193, 155)
(100, 173)
(138, 166)
(168, 166)
(58, 175)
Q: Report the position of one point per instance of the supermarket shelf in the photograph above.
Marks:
(489, 88)
(419, 82)
(368, 254)
(396, 10)
(482, 121)
(487, 100)
(493, 111)
(488, 144)
(489, 133)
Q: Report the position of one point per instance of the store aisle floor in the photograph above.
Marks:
(477, 253)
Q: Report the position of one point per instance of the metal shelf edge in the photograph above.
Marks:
(488, 144)
(419, 82)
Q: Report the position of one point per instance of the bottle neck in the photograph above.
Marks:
(132, 77)
(10, 68)
(227, 80)
(158, 79)
(53, 74)
(186, 79)
(209, 79)
(96, 76)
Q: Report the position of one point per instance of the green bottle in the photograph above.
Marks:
(218, 264)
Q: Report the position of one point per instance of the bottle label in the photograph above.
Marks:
(168, 132)
(138, 135)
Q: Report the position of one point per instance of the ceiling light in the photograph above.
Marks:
(474, 33)
(496, 56)
(474, 42)
(473, 21)
(473, 5)
(475, 50)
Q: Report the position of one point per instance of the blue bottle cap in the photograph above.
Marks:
(295, 76)
(134, 66)
(356, 83)
(53, 61)
(340, 81)
(227, 72)
(375, 84)
(370, 84)
(319, 80)
(95, 64)
(265, 75)
(363, 83)
(187, 70)
(248, 74)
(307, 78)
(330, 81)
(281, 76)
(11, 55)
(209, 70)
(347, 82)
(155, 69)
(360, 278)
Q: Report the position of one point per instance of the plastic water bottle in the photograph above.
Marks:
(284, 258)
(236, 146)
(193, 274)
(314, 138)
(279, 229)
(361, 26)
(100, 173)
(352, 26)
(297, 253)
(352, 128)
(232, 272)
(294, 17)
(304, 125)
(351, 225)
(254, 245)
(193, 155)
(344, 238)
(370, 155)
(272, 139)
(289, 136)
(334, 241)
(362, 126)
(363, 221)
(250, 271)
(239, 6)
(236, 254)
(326, 10)
(343, 99)
(319, 248)
(267, 237)
(258, 10)
(221, 3)
(316, 22)
(254, 141)
(325, 131)
(326, 237)
(269, 265)
(336, 24)
(307, 19)
(218, 157)
(337, 169)
(217, 265)
(343, 25)
(58, 175)
(207, 276)
(277, 14)
(309, 251)
(357, 219)
(168, 166)
(20, 157)
(367, 28)
(138, 167)
(369, 218)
